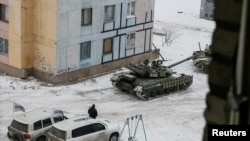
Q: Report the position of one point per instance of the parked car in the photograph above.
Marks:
(33, 125)
(84, 129)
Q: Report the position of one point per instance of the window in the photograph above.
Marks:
(131, 40)
(19, 126)
(109, 13)
(4, 12)
(131, 9)
(37, 125)
(108, 45)
(47, 122)
(82, 131)
(85, 50)
(87, 16)
(58, 133)
(98, 127)
(210, 0)
(58, 118)
(4, 45)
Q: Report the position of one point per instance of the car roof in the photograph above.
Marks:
(34, 115)
(73, 123)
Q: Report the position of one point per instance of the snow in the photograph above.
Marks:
(174, 117)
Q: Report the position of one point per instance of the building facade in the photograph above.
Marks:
(63, 40)
(207, 9)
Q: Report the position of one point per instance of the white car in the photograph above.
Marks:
(33, 125)
(84, 129)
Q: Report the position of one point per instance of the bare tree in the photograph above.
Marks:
(168, 37)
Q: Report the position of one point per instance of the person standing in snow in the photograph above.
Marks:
(92, 112)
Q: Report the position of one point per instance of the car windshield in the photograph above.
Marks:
(19, 126)
(58, 133)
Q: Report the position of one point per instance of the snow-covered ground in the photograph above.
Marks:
(174, 117)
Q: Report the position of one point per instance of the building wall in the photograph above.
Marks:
(4, 33)
(70, 33)
(207, 9)
(20, 34)
(31, 32)
(44, 35)
(32, 38)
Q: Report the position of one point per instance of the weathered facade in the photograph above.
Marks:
(207, 9)
(61, 40)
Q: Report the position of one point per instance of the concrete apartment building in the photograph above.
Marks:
(64, 40)
(207, 9)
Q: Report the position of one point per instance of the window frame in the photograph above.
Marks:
(4, 46)
(131, 13)
(83, 53)
(108, 18)
(98, 127)
(82, 131)
(4, 12)
(46, 122)
(37, 125)
(108, 51)
(89, 19)
(130, 45)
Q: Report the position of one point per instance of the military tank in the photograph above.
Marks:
(151, 79)
(202, 61)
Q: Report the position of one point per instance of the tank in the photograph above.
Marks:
(202, 61)
(148, 80)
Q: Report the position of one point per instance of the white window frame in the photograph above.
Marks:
(131, 9)
(86, 16)
(130, 40)
(109, 13)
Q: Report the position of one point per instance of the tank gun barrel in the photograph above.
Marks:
(184, 60)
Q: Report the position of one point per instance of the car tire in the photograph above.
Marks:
(18, 137)
(114, 137)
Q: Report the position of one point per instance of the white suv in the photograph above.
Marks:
(84, 129)
(33, 125)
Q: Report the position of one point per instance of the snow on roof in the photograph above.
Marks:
(74, 122)
(34, 115)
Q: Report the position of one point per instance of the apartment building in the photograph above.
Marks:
(207, 9)
(66, 40)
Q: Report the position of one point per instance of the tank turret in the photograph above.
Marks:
(156, 69)
(148, 80)
(202, 61)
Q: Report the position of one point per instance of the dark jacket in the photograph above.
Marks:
(92, 112)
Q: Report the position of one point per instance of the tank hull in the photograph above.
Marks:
(148, 88)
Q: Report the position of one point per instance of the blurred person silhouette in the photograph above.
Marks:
(92, 112)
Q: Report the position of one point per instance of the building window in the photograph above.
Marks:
(4, 45)
(131, 40)
(87, 16)
(4, 12)
(131, 9)
(209, 0)
(107, 45)
(85, 50)
(109, 13)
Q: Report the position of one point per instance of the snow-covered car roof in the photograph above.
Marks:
(75, 122)
(33, 115)
(36, 114)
